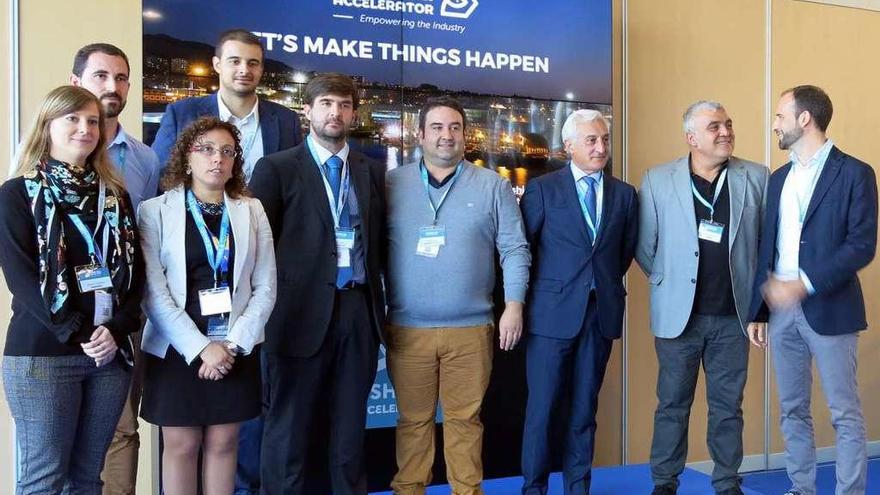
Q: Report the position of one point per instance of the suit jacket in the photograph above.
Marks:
(838, 238)
(279, 126)
(290, 186)
(669, 250)
(564, 262)
(163, 239)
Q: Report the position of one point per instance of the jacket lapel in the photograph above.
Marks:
(174, 236)
(360, 181)
(681, 182)
(239, 219)
(314, 184)
(608, 190)
(829, 173)
(736, 188)
(567, 192)
(268, 128)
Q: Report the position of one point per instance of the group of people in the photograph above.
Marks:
(271, 268)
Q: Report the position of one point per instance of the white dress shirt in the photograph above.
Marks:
(793, 203)
(251, 137)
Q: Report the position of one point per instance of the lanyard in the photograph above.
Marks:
(250, 142)
(218, 259)
(436, 208)
(89, 237)
(335, 210)
(701, 199)
(594, 229)
(122, 151)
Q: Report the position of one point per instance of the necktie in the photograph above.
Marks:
(590, 203)
(334, 177)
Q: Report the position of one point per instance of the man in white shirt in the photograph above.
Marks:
(820, 229)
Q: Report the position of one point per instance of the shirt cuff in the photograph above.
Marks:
(515, 293)
(806, 280)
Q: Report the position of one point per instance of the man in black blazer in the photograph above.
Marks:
(325, 203)
(820, 229)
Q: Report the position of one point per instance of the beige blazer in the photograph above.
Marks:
(162, 222)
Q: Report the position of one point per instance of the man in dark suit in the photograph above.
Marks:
(820, 229)
(582, 225)
(325, 203)
(265, 127)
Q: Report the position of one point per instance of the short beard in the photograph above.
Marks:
(789, 138)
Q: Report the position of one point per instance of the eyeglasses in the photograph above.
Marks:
(208, 150)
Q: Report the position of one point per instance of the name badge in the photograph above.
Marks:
(92, 277)
(344, 245)
(218, 328)
(431, 239)
(103, 307)
(711, 231)
(215, 301)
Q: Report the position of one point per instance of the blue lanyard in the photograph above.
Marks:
(701, 199)
(122, 151)
(89, 237)
(594, 229)
(436, 208)
(250, 142)
(335, 210)
(218, 259)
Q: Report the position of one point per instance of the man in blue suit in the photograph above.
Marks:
(582, 225)
(265, 127)
(820, 229)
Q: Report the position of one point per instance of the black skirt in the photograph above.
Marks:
(174, 395)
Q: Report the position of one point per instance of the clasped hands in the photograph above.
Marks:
(217, 361)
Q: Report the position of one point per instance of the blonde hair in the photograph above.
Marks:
(58, 103)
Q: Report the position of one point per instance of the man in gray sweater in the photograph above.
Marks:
(446, 219)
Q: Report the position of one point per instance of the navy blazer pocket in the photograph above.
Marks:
(547, 285)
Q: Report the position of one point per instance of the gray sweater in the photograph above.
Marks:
(480, 214)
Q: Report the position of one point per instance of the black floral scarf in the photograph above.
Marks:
(57, 189)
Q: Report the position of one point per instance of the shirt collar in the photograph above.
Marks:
(324, 154)
(121, 137)
(818, 158)
(580, 174)
(226, 114)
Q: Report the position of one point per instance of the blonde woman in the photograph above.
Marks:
(71, 258)
(210, 289)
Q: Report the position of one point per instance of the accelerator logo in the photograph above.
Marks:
(459, 9)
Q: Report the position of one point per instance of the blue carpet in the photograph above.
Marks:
(618, 480)
(776, 482)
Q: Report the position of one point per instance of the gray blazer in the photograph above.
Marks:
(162, 223)
(668, 248)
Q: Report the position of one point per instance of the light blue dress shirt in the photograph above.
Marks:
(138, 165)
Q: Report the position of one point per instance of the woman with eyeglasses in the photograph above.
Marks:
(210, 290)
(71, 258)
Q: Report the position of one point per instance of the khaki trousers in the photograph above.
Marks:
(452, 365)
(120, 464)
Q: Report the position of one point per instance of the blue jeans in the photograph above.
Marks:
(65, 411)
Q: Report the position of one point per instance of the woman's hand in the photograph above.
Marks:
(101, 346)
(217, 361)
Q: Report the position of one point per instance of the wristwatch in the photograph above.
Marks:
(234, 348)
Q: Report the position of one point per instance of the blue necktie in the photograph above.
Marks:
(590, 202)
(334, 177)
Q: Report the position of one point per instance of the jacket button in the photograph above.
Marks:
(693, 280)
(697, 254)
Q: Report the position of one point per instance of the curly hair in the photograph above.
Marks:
(178, 162)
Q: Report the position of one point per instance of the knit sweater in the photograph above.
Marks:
(454, 289)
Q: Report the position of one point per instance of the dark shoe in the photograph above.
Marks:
(732, 491)
(792, 492)
(664, 490)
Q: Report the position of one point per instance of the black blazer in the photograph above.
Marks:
(839, 238)
(292, 191)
